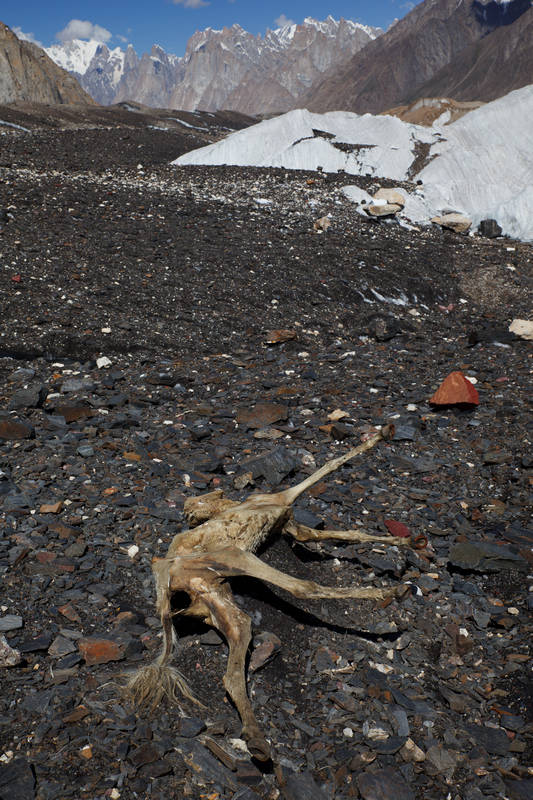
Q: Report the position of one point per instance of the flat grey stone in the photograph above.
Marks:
(384, 784)
(302, 787)
(10, 622)
(61, 646)
(17, 780)
(485, 557)
(493, 740)
(77, 385)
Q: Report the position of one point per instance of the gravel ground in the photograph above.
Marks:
(178, 277)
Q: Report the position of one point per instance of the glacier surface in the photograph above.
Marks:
(481, 165)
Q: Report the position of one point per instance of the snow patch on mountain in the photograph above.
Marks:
(480, 165)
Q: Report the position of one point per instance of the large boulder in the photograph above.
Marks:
(489, 228)
(455, 222)
(390, 196)
(382, 209)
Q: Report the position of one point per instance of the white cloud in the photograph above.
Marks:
(191, 3)
(26, 37)
(282, 20)
(83, 29)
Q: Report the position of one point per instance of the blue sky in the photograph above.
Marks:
(171, 22)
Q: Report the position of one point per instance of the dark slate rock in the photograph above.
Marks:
(466, 587)
(22, 374)
(41, 642)
(245, 794)
(489, 228)
(191, 727)
(37, 702)
(68, 662)
(105, 589)
(32, 397)
(10, 622)
(485, 557)
(162, 379)
(383, 785)
(416, 465)
(61, 646)
(204, 764)
(158, 768)
(147, 753)
(77, 385)
(390, 745)
(520, 790)
(511, 722)
(404, 432)
(200, 430)
(305, 517)
(302, 787)
(17, 780)
(166, 514)
(124, 501)
(497, 457)
(384, 327)
(491, 333)
(415, 706)
(15, 501)
(519, 535)
(273, 466)
(209, 464)
(493, 740)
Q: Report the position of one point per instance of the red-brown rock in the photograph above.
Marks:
(13, 429)
(74, 413)
(261, 415)
(51, 508)
(100, 651)
(69, 612)
(455, 389)
(280, 336)
(397, 528)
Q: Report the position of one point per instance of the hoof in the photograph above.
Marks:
(258, 747)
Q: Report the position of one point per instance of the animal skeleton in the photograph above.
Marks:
(221, 543)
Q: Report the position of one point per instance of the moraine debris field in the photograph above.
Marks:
(169, 331)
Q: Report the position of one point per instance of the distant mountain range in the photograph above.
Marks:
(27, 74)
(465, 49)
(228, 68)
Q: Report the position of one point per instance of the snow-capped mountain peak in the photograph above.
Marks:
(227, 68)
(74, 55)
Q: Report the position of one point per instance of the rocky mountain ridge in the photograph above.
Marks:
(438, 37)
(228, 68)
(472, 75)
(27, 74)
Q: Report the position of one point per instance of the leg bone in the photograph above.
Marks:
(304, 534)
(236, 628)
(231, 562)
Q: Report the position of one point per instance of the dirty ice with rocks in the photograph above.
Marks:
(480, 166)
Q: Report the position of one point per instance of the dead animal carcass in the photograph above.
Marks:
(221, 543)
